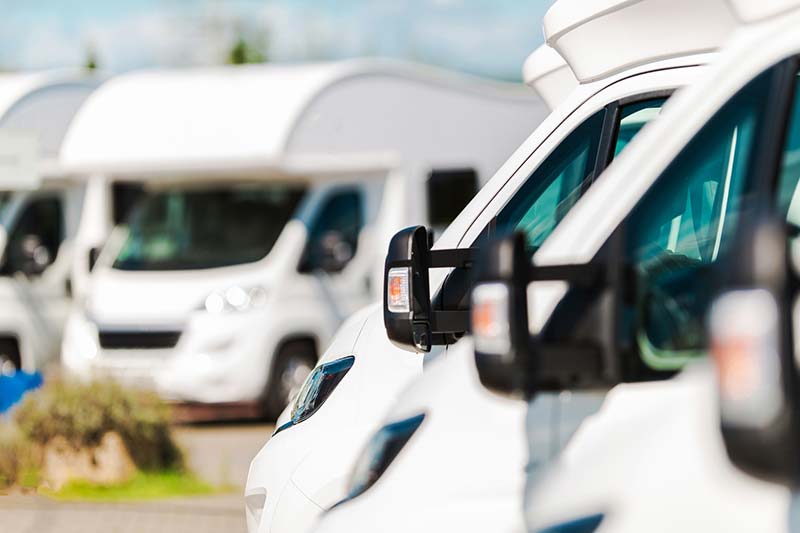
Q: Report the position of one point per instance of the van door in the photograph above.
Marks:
(34, 288)
(677, 240)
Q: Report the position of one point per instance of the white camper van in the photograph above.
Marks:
(534, 190)
(39, 213)
(267, 193)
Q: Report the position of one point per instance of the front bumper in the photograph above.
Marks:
(217, 360)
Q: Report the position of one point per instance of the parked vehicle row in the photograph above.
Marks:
(582, 288)
(230, 217)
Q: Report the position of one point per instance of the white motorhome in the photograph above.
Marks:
(534, 190)
(39, 213)
(266, 193)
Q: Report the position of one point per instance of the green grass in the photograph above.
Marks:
(143, 486)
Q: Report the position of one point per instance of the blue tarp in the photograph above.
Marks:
(14, 387)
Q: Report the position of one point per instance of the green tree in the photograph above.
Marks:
(245, 50)
(90, 62)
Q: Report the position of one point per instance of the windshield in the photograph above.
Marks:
(184, 229)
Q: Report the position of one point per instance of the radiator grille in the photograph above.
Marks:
(120, 340)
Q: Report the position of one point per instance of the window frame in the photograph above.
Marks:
(455, 288)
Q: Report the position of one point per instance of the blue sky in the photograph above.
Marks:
(488, 37)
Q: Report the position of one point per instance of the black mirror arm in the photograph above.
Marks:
(586, 275)
(454, 258)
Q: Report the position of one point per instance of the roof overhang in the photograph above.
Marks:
(600, 38)
(546, 72)
(317, 167)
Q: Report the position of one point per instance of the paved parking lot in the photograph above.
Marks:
(220, 453)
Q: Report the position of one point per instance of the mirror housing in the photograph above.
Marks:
(406, 294)
(752, 344)
(512, 360)
(500, 318)
(408, 314)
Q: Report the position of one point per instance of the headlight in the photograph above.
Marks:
(381, 450)
(317, 387)
(235, 299)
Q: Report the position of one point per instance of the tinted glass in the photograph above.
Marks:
(632, 118)
(554, 187)
(449, 191)
(788, 190)
(182, 229)
(557, 184)
(36, 236)
(333, 237)
(684, 224)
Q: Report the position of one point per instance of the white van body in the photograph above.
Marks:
(371, 130)
(40, 209)
(351, 415)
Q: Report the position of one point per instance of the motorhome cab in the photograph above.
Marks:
(263, 195)
(314, 452)
(627, 305)
(39, 212)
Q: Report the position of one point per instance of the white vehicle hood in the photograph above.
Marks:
(159, 298)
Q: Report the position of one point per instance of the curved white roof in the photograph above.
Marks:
(546, 72)
(36, 109)
(261, 114)
(43, 103)
(599, 38)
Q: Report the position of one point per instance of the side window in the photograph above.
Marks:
(125, 196)
(683, 227)
(449, 191)
(634, 117)
(35, 238)
(789, 178)
(557, 184)
(333, 236)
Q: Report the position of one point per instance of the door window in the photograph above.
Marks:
(36, 237)
(554, 187)
(557, 184)
(333, 237)
(683, 227)
(789, 177)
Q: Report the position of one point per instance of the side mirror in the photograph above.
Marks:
(31, 257)
(333, 252)
(751, 331)
(512, 360)
(409, 317)
(406, 295)
(500, 318)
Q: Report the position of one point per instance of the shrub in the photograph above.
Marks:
(82, 413)
(19, 460)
